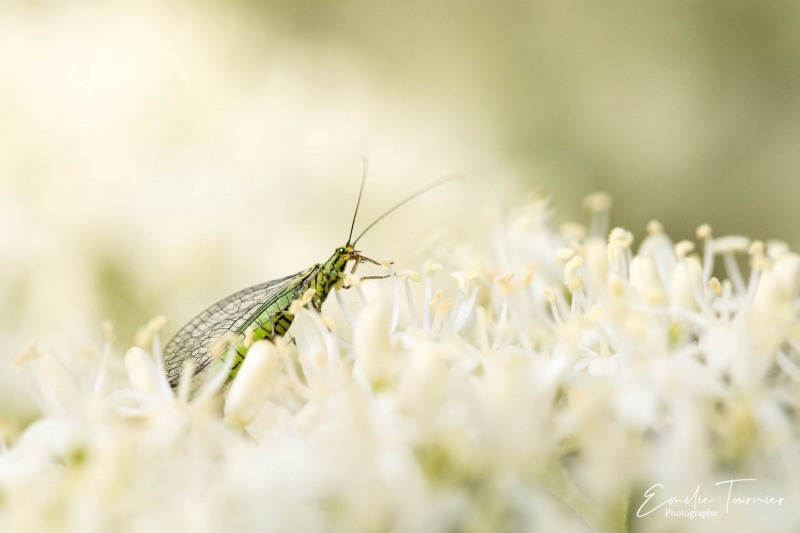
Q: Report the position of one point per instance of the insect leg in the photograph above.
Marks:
(362, 259)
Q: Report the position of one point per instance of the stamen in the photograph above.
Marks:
(715, 286)
(105, 355)
(140, 368)
(412, 308)
(348, 316)
(304, 300)
(646, 281)
(619, 243)
(572, 280)
(463, 315)
(654, 227)
(184, 389)
(248, 337)
(551, 297)
(217, 381)
(683, 249)
(703, 233)
(599, 205)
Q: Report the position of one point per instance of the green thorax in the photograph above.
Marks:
(329, 274)
(275, 318)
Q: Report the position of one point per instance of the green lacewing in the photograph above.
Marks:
(263, 311)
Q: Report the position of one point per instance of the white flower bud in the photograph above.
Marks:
(141, 370)
(251, 387)
(373, 345)
(686, 282)
(772, 311)
(597, 202)
(787, 270)
(572, 279)
(645, 279)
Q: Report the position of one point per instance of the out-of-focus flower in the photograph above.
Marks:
(547, 389)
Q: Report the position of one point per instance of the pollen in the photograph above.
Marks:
(683, 248)
(703, 232)
(571, 279)
(528, 274)
(156, 324)
(756, 248)
(654, 227)
(304, 300)
(431, 267)
(411, 275)
(504, 279)
(621, 238)
(30, 352)
(248, 337)
(550, 295)
(597, 202)
(438, 296)
(715, 286)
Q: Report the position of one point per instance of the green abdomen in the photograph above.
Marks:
(267, 325)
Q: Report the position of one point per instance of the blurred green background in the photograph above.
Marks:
(155, 157)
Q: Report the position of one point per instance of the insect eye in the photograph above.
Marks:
(341, 250)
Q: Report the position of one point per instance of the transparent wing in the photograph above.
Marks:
(193, 341)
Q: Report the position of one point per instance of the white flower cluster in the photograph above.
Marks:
(549, 384)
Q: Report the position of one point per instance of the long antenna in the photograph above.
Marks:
(360, 192)
(406, 200)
